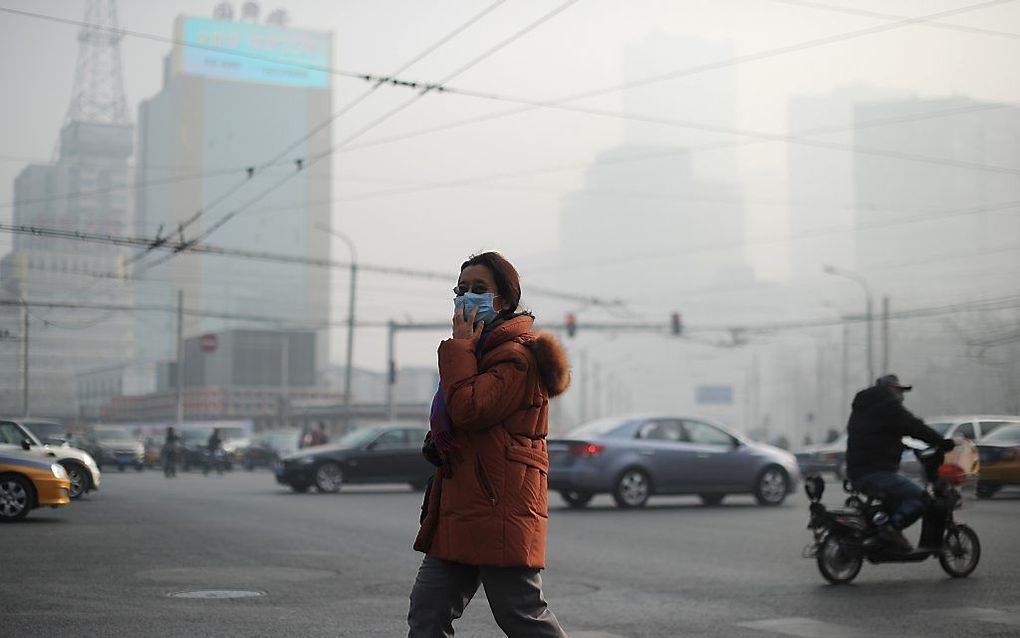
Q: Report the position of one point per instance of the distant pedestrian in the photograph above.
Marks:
(318, 436)
(485, 516)
(170, 444)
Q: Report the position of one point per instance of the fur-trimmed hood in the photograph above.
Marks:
(553, 365)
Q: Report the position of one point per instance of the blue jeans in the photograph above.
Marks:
(906, 496)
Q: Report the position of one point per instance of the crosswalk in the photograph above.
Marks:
(801, 627)
(812, 628)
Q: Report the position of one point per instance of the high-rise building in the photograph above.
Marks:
(938, 225)
(821, 180)
(235, 96)
(945, 208)
(85, 189)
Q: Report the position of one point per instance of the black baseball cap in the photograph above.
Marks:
(893, 381)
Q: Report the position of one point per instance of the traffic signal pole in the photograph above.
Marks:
(571, 327)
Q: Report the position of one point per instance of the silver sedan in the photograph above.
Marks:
(634, 457)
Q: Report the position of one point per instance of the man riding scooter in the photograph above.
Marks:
(878, 423)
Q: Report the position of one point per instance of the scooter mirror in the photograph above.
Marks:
(814, 486)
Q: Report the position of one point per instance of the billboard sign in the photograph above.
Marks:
(260, 53)
(714, 395)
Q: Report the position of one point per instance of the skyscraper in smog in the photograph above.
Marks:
(236, 96)
(87, 323)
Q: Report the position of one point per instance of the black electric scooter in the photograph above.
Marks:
(845, 537)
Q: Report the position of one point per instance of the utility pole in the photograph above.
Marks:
(844, 395)
(391, 372)
(584, 386)
(869, 315)
(284, 379)
(24, 346)
(180, 360)
(885, 334)
(349, 371)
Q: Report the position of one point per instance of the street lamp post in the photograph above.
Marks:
(868, 315)
(350, 320)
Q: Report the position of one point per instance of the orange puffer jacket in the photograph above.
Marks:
(493, 509)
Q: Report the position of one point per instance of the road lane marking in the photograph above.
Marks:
(807, 628)
(984, 614)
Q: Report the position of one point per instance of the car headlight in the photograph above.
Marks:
(58, 471)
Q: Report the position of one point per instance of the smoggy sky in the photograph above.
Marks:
(582, 48)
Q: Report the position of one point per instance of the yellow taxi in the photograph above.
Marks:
(1000, 460)
(30, 481)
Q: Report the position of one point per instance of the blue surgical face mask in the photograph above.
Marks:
(466, 303)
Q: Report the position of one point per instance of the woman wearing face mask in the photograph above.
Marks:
(485, 516)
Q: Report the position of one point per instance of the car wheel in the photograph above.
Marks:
(711, 499)
(985, 489)
(139, 467)
(329, 477)
(15, 498)
(79, 477)
(632, 489)
(771, 487)
(576, 500)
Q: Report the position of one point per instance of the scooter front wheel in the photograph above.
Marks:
(961, 551)
(837, 561)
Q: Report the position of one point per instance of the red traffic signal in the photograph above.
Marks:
(571, 325)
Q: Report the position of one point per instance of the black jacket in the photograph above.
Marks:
(877, 424)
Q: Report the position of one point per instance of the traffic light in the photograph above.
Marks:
(571, 325)
(676, 324)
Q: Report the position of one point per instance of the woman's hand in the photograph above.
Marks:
(469, 328)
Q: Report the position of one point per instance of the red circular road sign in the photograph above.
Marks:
(209, 343)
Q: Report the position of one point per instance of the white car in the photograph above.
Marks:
(972, 427)
(82, 471)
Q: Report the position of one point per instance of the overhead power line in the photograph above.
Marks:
(984, 305)
(864, 13)
(177, 247)
(224, 219)
(686, 72)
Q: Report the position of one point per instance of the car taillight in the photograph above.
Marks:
(586, 449)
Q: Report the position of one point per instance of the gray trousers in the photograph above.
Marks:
(443, 589)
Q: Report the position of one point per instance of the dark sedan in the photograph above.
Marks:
(633, 458)
(266, 449)
(380, 454)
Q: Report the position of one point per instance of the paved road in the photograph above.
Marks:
(341, 565)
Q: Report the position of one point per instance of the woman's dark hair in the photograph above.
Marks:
(508, 282)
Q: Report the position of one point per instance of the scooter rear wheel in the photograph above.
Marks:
(837, 562)
(961, 551)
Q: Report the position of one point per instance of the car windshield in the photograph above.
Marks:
(282, 439)
(196, 435)
(113, 436)
(598, 428)
(941, 427)
(1008, 434)
(47, 432)
(357, 438)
